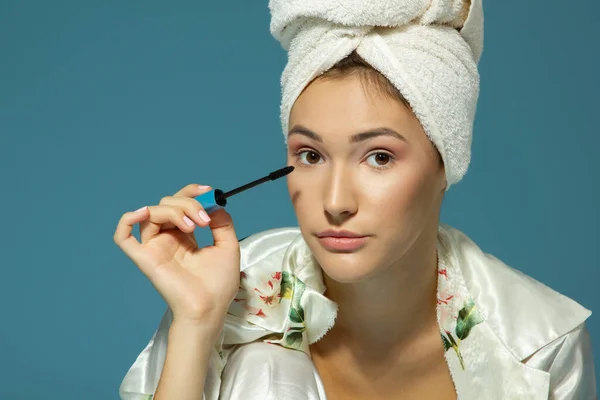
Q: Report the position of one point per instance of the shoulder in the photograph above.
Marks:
(524, 314)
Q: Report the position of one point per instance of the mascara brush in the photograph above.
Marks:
(217, 199)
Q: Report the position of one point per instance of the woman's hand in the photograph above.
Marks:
(197, 284)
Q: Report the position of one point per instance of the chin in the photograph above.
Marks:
(345, 267)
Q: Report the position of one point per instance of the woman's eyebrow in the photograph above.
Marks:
(359, 137)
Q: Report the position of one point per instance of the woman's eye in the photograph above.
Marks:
(311, 157)
(380, 159)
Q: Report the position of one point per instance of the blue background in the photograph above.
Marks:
(108, 106)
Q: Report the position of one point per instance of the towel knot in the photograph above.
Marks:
(287, 14)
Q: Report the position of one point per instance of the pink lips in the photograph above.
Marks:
(341, 240)
(342, 243)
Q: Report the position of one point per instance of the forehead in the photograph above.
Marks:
(348, 105)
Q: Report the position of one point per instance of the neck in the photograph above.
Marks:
(389, 311)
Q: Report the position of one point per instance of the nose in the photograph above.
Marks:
(340, 201)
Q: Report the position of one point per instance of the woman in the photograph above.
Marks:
(371, 297)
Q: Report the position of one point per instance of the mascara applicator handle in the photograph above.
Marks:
(212, 200)
(217, 199)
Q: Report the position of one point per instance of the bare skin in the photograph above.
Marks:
(386, 342)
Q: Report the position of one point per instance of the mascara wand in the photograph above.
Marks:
(217, 199)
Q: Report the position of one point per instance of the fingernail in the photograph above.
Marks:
(140, 209)
(204, 216)
(188, 221)
(203, 187)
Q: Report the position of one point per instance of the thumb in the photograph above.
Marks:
(222, 229)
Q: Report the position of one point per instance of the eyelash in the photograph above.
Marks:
(387, 166)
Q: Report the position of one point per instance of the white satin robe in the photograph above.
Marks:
(506, 335)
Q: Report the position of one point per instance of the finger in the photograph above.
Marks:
(223, 230)
(191, 207)
(163, 217)
(149, 229)
(123, 237)
(193, 190)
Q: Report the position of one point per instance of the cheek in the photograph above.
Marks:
(297, 192)
(389, 192)
(399, 198)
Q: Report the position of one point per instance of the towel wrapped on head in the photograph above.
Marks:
(428, 49)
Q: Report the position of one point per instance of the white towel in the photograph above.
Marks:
(428, 49)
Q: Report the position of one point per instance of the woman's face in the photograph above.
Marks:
(363, 163)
